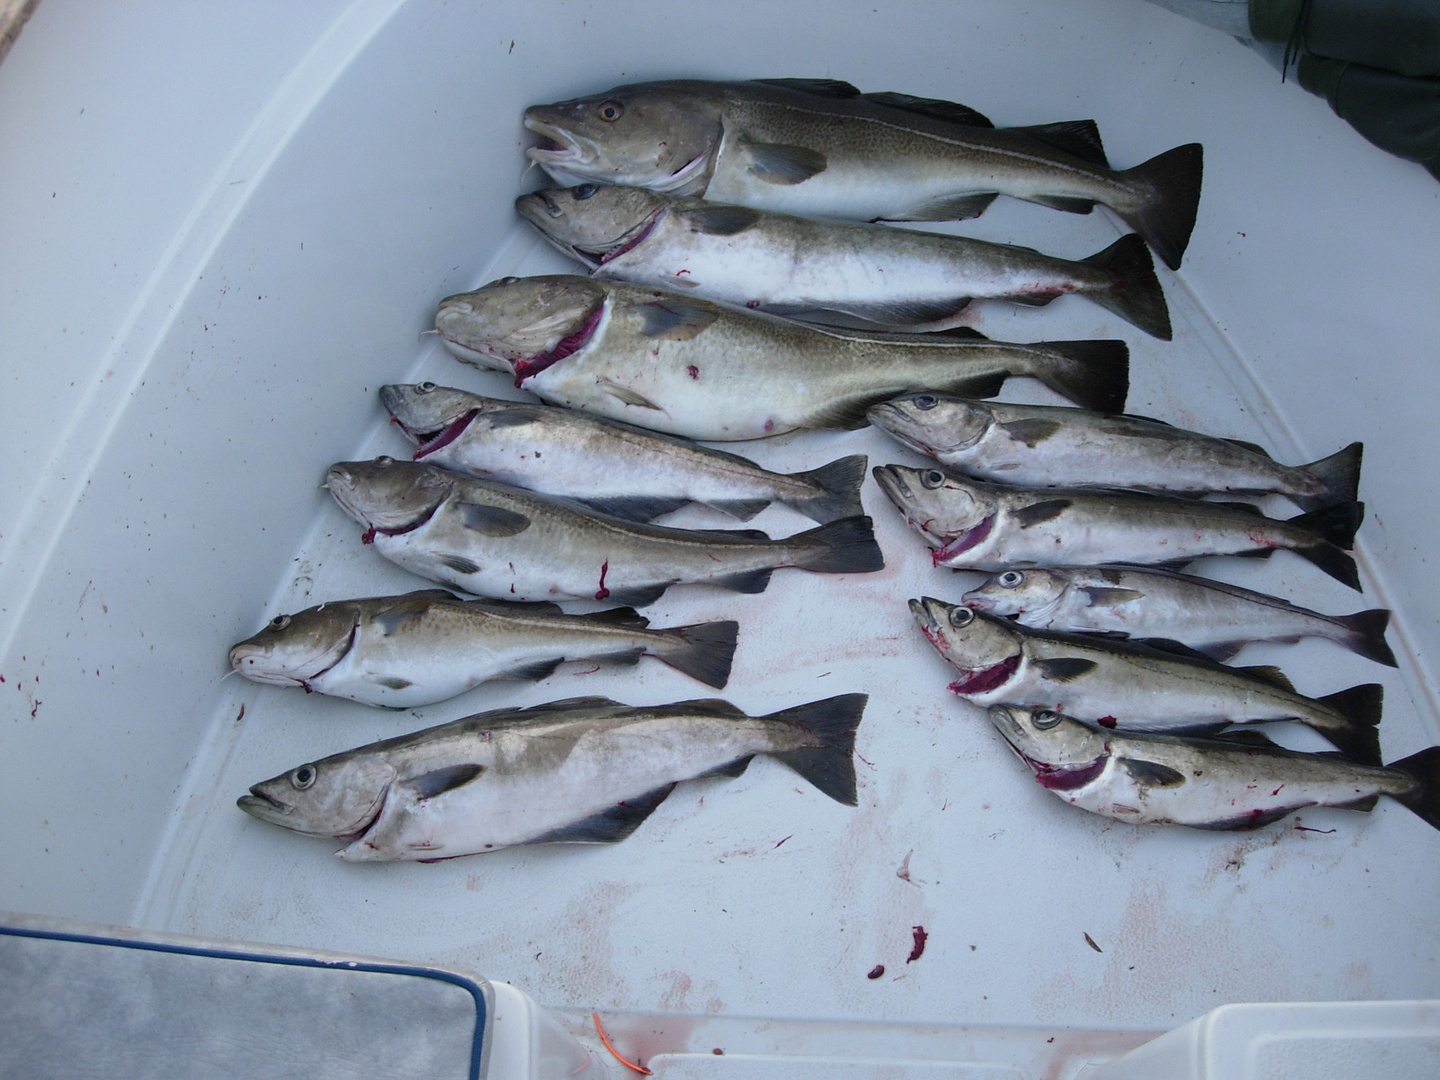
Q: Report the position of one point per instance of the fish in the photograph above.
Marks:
(1158, 607)
(402, 652)
(687, 366)
(580, 771)
(1237, 780)
(820, 148)
(1131, 687)
(1039, 446)
(616, 468)
(504, 542)
(974, 525)
(899, 279)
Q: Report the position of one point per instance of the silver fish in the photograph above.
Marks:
(617, 468)
(495, 540)
(1130, 687)
(821, 148)
(1039, 446)
(401, 652)
(1209, 616)
(900, 279)
(580, 771)
(1239, 780)
(691, 367)
(973, 525)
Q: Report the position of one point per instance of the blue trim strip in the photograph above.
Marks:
(291, 961)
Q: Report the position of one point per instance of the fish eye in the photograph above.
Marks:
(610, 111)
(961, 617)
(303, 777)
(1045, 719)
(426, 387)
(279, 622)
(384, 461)
(926, 402)
(932, 478)
(1010, 578)
(584, 191)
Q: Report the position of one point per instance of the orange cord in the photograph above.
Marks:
(641, 1069)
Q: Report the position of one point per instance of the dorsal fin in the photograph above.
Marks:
(935, 108)
(831, 88)
(1078, 138)
(1271, 674)
(1248, 737)
(1254, 448)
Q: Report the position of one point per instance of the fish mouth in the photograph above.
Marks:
(893, 421)
(895, 488)
(427, 442)
(564, 149)
(263, 806)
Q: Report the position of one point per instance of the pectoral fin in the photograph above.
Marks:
(1036, 513)
(1101, 596)
(1032, 432)
(491, 520)
(720, 220)
(628, 396)
(676, 318)
(438, 781)
(777, 163)
(1152, 773)
(1064, 668)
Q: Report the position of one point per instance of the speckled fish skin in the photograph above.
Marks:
(583, 770)
(1128, 686)
(500, 541)
(687, 366)
(974, 525)
(1218, 783)
(821, 149)
(615, 467)
(1040, 446)
(1210, 616)
(900, 279)
(402, 652)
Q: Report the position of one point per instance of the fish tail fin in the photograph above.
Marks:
(1336, 524)
(1134, 291)
(1424, 797)
(840, 482)
(1093, 374)
(1338, 564)
(1359, 738)
(1168, 215)
(1340, 473)
(703, 651)
(846, 546)
(828, 762)
(1367, 635)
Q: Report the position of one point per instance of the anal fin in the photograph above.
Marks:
(609, 826)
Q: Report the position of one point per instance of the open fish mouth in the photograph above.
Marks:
(563, 149)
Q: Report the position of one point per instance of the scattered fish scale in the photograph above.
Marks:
(580, 771)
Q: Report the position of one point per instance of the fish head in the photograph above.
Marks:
(423, 411)
(941, 506)
(1047, 740)
(661, 136)
(1018, 592)
(974, 645)
(337, 796)
(933, 423)
(513, 322)
(386, 495)
(292, 649)
(592, 223)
